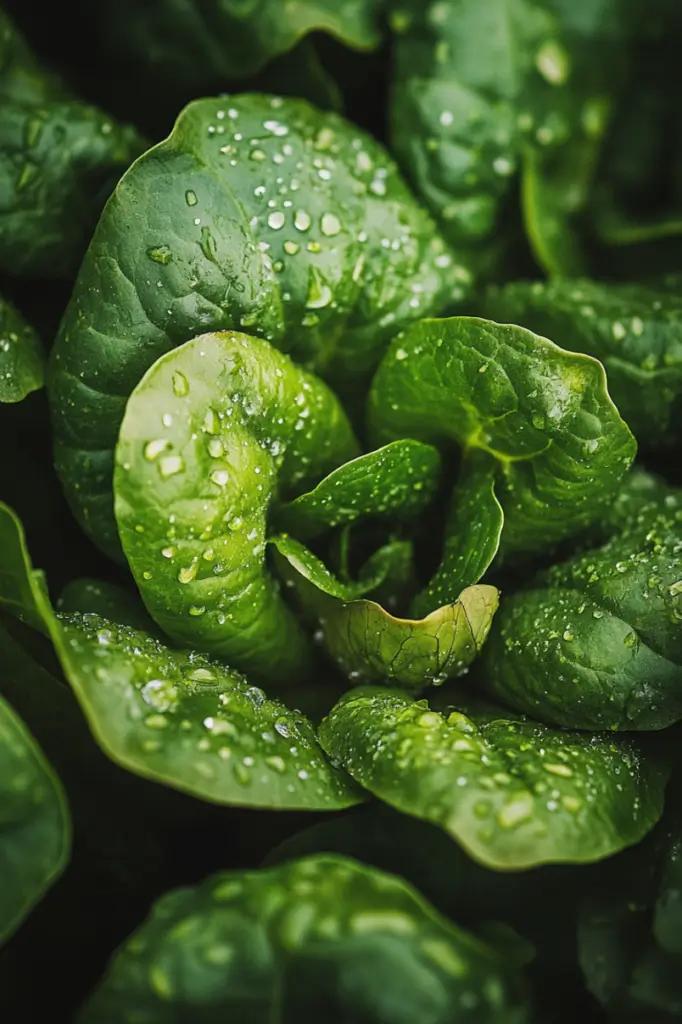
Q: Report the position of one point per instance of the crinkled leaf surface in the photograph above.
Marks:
(513, 793)
(22, 357)
(599, 646)
(210, 435)
(182, 719)
(59, 158)
(318, 938)
(174, 716)
(635, 331)
(396, 482)
(261, 214)
(472, 534)
(35, 831)
(482, 90)
(544, 415)
(199, 44)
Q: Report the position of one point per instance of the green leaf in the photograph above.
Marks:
(176, 717)
(542, 413)
(316, 587)
(600, 645)
(59, 158)
(319, 269)
(186, 721)
(635, 331)
(320, 938)
(482, 90)
(22, 357)
(35, 832)
(368, 643)
(396, 482)
(472, 534)
(108, 600)
(513, 793)
(212, 432)
(229, 38)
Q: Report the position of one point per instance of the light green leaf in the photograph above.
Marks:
(210, 435)
(635, 331)
(513, 793)
(319, 937)
(472, 534)
(35, 831)
(22, 358)
(600, 645)
(368, 643)
(396, 482)
(261, 214)
(316, 587)
(542, 413)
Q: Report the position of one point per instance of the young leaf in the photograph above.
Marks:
(319, 938)
(600, 645)
(260, 214)
(472, 534)
(34, 822)
(22, 357)
(212, 432)
(58, 160)
(635, 331)
(396, 481)
(542, 413)
(513, 793)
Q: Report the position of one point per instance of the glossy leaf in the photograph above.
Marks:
(323, 936)
(513, 793)
(635, 331)
(395, 482)
(483, 90)
(542, 413)
(198, 46)
(189, 722)
(368, 643)
(22, 357)
(261, 214)
(34, 822)
(22, 589)
(600, 645)
(212, 432)
(59, 158)
(316, 587)
(472, 534)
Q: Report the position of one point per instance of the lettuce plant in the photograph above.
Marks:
(340, 519)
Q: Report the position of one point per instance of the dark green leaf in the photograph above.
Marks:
(317, 939)
(513, 793)
(34, 822)
(211, 433)
(635, 331)
(542, 413)
(107, 600)
(22, 357)
(22, 589)
(395, 482)
(261, 214)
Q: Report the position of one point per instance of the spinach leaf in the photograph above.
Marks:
(21, 356)
(484, 90)
(318, 938)
(201, 44)
(513, 793)
(261, 214)
(635, 331)
(397, 481)
(542, 413)
(175, 716)
(597, 644)
(211, 433)
(34, 822)
(59, 159)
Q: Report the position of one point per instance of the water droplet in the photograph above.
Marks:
(558, 769)
(188, 573)
(153, 449)
(553, 62)
(516, 810)
(190, 197)
(170, 465)
(160, 254)
(302, 220)
(282, 727)
(180, 384)
(215, 448)
(220, 477)
(319, 292)
(241, 773)
(401, 354)
(291, 248)
(278, 764)
(155, 722)
(197, 609)
(330, 225)
(276, 220)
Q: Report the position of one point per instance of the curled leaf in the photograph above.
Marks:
(513, 793)
(321, 934)
(211, 434)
